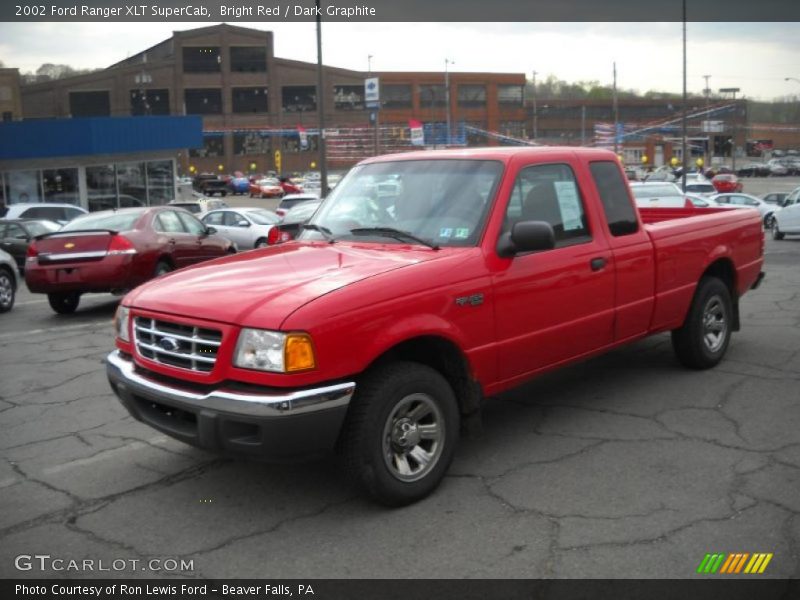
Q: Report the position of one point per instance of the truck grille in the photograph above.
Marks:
(176, 345)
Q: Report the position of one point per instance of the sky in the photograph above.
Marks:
(755, 57)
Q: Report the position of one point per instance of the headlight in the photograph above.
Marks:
(274, 351)
(121, 321)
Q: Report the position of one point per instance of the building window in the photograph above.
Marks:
(471, 96)
(89, 104)
(248, 59)
(250, 100)
(160, 182)
(60, 185)
(396, 95)
(101, 187)
(202, 59)
(23, 186)
(510, 95)
(432, 96)
(131, 184)
(149, 102)
(513, 128)
(212, 146)
(251, 142)
(348, 97)
(5, 93)
(204, 101)
(291, 144)
(299, 98)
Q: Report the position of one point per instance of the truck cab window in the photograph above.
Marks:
(549, 193)
(613, 191)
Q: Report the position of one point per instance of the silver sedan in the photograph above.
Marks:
(245, 227)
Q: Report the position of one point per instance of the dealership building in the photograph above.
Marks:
(253, 103)
(94, 162)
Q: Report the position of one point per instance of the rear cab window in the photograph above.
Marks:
(613, 191)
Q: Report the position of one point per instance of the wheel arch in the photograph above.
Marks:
(444, 356)
(723, 269)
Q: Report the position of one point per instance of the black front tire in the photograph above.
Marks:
(777, 234)
(64, 303)
(162, 267)
(401, 432)
(8, 290)
(703, 339)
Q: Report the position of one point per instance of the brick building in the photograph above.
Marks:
(253, 102)
(10, 99)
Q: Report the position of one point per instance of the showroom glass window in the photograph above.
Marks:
(160, 182)
(60, 185)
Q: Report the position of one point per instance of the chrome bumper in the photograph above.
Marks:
(271, 424)
(121, 372)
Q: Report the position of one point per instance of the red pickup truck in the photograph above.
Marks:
(425, 283)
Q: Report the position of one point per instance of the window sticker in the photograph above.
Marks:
(445, 232)
(462, 233)
(569, 204)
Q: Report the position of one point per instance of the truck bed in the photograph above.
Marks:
(687, 240)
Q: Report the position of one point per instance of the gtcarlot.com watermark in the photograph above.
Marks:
(46, 562)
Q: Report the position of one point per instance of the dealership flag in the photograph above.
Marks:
(303, 137)
(417, 135)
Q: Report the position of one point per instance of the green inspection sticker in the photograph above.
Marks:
(462, 233)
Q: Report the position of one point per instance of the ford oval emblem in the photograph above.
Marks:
(170, 344)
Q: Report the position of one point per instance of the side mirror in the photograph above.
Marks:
(210, 231)
(526, 236)
(243, 223)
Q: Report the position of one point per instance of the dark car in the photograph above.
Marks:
(114, 251)
(753, 170)
(16, 235)
(209, 184)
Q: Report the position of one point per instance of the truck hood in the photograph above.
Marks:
(260, 288)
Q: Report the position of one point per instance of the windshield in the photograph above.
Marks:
(115, 221)
(263, 217)
(441, 201)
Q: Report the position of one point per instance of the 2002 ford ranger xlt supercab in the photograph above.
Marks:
(425, 283)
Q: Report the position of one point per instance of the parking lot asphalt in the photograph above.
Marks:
(627, 465)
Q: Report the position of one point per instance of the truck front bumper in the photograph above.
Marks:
(265, 423)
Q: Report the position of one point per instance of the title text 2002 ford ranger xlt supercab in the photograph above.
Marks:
(425, 282)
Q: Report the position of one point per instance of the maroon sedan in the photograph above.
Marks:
(726, 183)
(114, 251)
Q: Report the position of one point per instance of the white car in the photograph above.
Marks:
(739, 199)
(700, 201)
(787, 219)
(200, 206)
(246, 227)
(657, 194)
(8, 281)
(60, 213)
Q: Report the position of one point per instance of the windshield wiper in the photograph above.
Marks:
(326, 233)
(394, 233)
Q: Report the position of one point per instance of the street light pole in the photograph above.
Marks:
(733, 127)
(323, 159)
(535, 112)
(447, 96)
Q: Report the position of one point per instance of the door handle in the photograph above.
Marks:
(597, 263)
(171, 241)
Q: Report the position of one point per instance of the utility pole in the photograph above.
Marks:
(707, 92)
(733, 125)
(535, 111)
(616, 111)
(684, 162)
(583, 125)
(447, 96)
(374, 113)
(323, 161)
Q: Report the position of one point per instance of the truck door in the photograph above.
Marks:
(634, 286)
(556, 304)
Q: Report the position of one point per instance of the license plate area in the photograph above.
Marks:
(70, 275)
